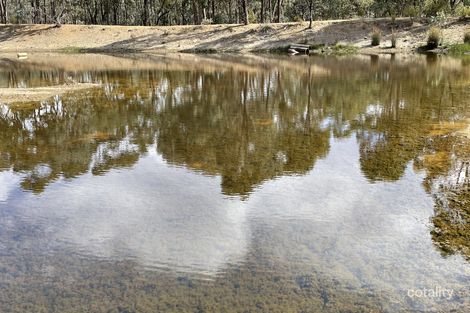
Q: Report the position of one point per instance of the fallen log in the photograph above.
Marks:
(300, 48)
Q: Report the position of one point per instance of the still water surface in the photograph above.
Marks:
(236, 184)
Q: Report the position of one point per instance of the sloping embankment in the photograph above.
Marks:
(219, 38)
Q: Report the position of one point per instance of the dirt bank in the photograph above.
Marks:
(21, 95)
(220, 38)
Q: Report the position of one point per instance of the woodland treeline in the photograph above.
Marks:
(183, 12)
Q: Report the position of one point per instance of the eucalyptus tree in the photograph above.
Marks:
(184, 12)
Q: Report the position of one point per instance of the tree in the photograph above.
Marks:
(245, 12)
(183, 12)
(278, 11)
(310, 12)
(3, 12)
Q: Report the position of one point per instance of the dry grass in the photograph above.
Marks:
(466, 36)
(220, 38)
(376, 36)
(434, 37)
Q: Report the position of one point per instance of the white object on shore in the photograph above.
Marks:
(293, 51)
(22, 55)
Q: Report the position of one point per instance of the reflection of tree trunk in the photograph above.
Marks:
(268, 91)
(464, 171)
(245, 133)
(309, 95)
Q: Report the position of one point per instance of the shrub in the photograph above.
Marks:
(394, 39)
(440, 19)
(466, 36)
(376, 36)
(206, 21)
(433, 8)
(434, 37)
(252, 17)
(463, 11)
(411, 11)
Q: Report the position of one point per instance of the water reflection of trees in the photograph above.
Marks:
(251, 126)
(245, 128)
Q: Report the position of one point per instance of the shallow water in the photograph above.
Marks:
(236, 184)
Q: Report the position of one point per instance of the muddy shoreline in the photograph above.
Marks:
(22, 95)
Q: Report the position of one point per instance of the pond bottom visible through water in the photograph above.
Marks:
(219, 184)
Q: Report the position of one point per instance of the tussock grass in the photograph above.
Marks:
(376, 36)
(434, 37)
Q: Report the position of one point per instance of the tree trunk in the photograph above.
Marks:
(44, 13)
(53, 10)
(183, 9)
(35, 11)
(195, 13)
(310, 17)
(3, 12)
(213, 10)
(261, 18)
(145, 16)
(245, 12)
(278, 11)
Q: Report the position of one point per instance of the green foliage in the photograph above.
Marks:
(363, 6)
(340, 49)
(433, 8)
(196, 12)
(252, 16)
(434, 37)
(411, 11)
(376, 36)
(459, 49)
(74, 50)
(463, 11)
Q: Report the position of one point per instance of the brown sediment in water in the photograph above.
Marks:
(445, 128)
(24, 95)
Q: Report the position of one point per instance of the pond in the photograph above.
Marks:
(229, 183)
